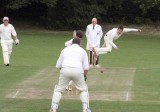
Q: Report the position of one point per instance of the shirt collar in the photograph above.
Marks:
(75, 45)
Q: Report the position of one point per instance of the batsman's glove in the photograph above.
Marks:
(17, 41)
(85, 77)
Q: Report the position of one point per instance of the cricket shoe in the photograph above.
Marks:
(53, 110)
(91, 66)
(98, 66)
(7, 64)
(87, 110)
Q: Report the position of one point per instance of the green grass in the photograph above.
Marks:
(134, 69)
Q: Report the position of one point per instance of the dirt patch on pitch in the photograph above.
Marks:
(37, 86)
(114, 84)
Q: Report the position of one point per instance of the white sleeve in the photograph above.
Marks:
(85, 61)
(13, 31)
(129, 30)
(87, 32)
(59, 61)
(108, 33)
(100, 35)
(88, 35)
(0, 29)
(68, 43)
(101, 32)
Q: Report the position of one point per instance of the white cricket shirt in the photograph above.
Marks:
(6, 32)
(73, 56)
(68, 43)
(112, 35)
(93, 35)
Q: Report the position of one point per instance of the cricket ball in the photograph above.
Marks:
(101, 71)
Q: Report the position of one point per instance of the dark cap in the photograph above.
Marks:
(120, 27)
(76, 41)
(79, 33)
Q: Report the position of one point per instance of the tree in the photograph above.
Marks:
(76, 14)
(148, 4)
(17, 4)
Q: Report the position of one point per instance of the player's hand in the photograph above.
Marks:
(85, 77)
(139, 30)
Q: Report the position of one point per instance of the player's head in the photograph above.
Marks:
(76, 41)
(79, 34)
(5, 20)
(94, 21)
(120, 29)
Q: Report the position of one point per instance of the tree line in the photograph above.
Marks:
(73, 14)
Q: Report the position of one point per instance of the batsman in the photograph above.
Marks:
(73, 65)
(76, 34)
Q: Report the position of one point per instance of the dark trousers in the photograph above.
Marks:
(92, 58)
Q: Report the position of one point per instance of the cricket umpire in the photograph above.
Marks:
(7, 31)
(73, 65)
(94, 34)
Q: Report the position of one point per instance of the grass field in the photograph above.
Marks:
(130, 82)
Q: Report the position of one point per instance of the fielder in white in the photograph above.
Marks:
(76, 34)
(94, 34)
(73, 65)
(7, 31)
(110, 36)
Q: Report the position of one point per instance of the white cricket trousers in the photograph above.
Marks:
(6, 50)
(107, 47)
(67, 74)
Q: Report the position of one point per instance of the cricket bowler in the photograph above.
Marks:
(111, 36)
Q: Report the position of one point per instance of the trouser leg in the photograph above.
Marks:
(81, 85)
(5, 57)
(10, 49)
(91, 57)
(76, 75)
(104, 50)
(62, 84)
(97, 61)
(6, 50)
(5, 53)
(101, 50)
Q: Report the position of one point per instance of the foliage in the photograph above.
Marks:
(148, 4)
(17, 4)
(76, 14)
